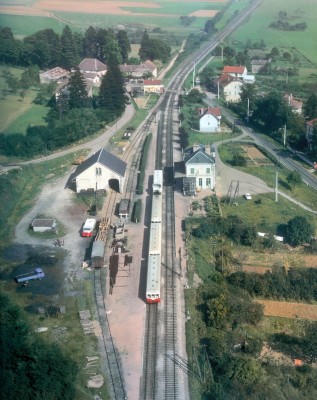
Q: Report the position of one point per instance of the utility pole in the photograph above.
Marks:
(248, 110)
(276, 187)
(218, 90)
(284, 136)
(194, 72)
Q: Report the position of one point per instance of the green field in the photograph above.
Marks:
(33, 116)
(23, 26)
(26, 25)
(257, 27)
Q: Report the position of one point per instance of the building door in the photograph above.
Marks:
(200, 182)
(208, 182)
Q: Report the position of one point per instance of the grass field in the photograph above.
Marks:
(257, 27)
(34, 115)
(18, 113)
(23, 26)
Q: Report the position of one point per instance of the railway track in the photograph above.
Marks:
(111, 355)
(116, 384)
(149, 385)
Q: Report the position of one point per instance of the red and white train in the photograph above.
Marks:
(153, 284)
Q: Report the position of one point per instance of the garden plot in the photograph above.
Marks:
(255, 156)
(289, 310)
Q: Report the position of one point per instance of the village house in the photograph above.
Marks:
(200, 170)
(295, 104)
(101, 171)
(310, 129)
(93, 70)
(209, 119)
(153, 86)
(229, 87)
(147, 69)
(56, 75)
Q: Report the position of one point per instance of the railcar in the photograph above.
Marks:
(156, 212)
(158, 181)
(153, 284)
(155, 239)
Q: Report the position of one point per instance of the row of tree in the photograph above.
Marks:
(47, 49)
(298, 284)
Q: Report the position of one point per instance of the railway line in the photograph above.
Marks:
(161, 379)
(114, 369)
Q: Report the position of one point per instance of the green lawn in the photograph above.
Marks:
(257, 27)
(33, 116)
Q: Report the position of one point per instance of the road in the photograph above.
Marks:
(283, 156)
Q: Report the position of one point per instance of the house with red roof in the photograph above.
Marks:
(237, 71)
(209, 119)
(295, 104)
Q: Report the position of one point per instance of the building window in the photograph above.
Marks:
(200, 180)
(208, 182)
(98, 171)
(207, 170)
(192, 170)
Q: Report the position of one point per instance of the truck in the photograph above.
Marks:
(88, 227)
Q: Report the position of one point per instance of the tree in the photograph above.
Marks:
(272, 111)
(299, 230)
(296, 132)
(31, 368)
(207, 77)
(153, 49)
(310, 106)
(210, 26)
(124, 45)
(108, 49)
(69, 57)
(112, 94)
(294, 179)
(245, 371)
(90, 43)
(145, 47)
(239, 160)
(78, 97)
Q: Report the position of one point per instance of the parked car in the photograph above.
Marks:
(248, 196)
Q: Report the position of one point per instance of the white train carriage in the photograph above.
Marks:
(156, 213)
(155, 239)
(153, 284)
(158, 181)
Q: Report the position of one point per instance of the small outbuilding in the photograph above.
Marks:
(44, 225)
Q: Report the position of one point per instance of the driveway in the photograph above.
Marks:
(226, 175)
